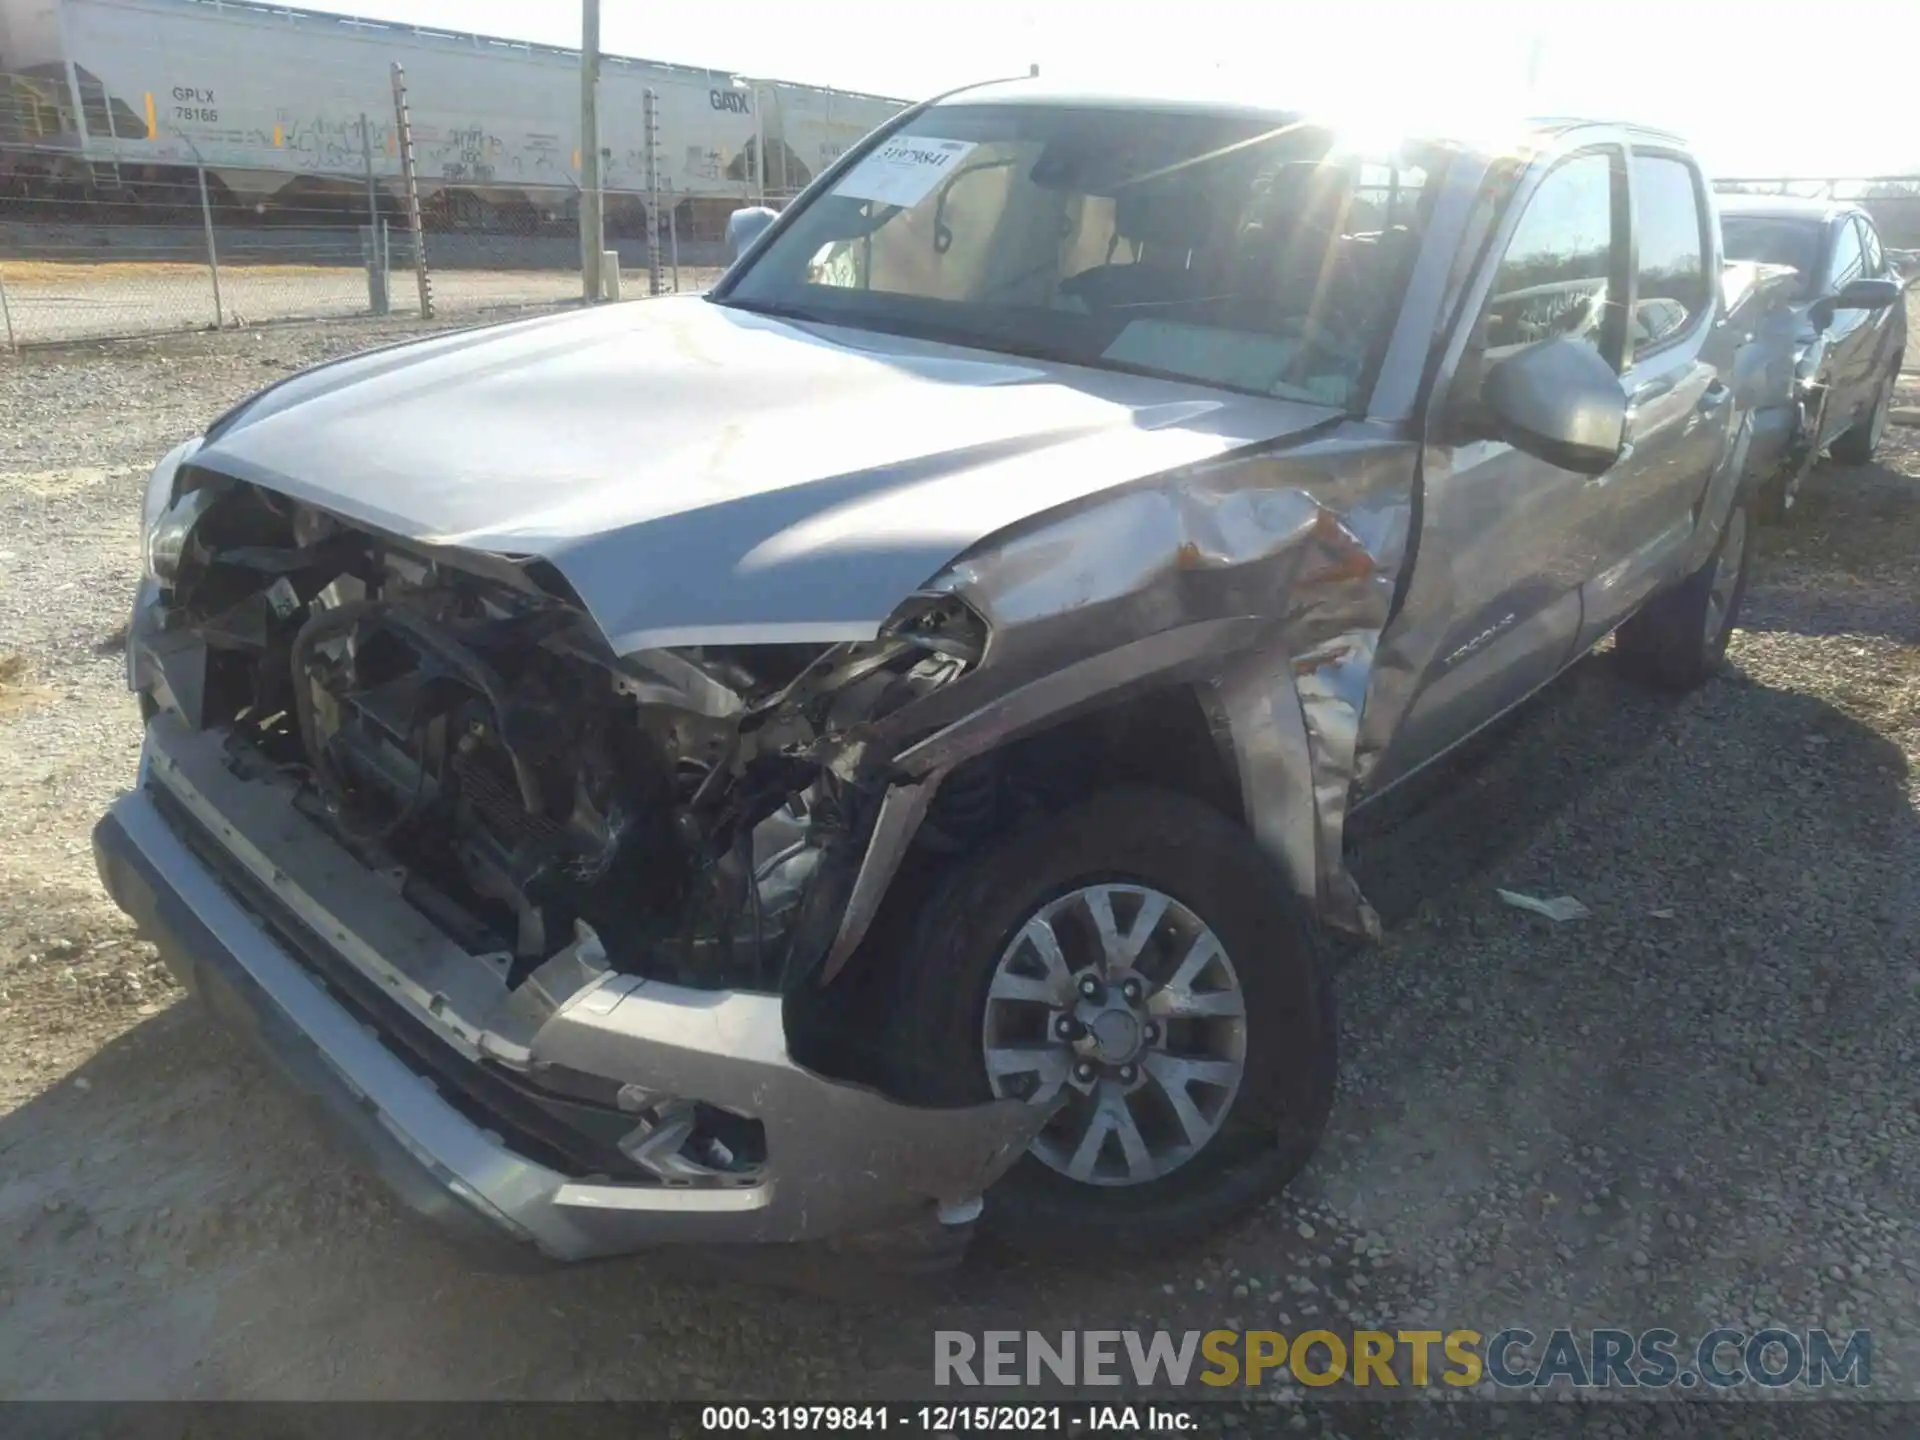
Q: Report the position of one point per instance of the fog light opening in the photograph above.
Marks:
(692, 1142)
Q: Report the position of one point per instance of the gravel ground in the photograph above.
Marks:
(1693, 1109)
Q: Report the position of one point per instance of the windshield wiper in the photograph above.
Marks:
(777, 310)
(1003, 344)
(993, 342)
(908, 326)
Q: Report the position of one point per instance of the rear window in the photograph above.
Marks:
(1773, 240)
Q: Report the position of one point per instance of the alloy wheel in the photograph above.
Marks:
(1118, 1005)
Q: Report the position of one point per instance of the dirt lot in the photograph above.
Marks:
(51, 302)
(1694, 1109)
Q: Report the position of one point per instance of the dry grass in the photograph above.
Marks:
(1886, 695)
(1872, 676)
(16, 693)
(60, 272)
(35, 273)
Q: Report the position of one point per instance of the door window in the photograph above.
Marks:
(1844, 268)
(1875, 261)
(1669, 222)
(1557, 276)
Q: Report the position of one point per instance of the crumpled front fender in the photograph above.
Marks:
(1263, 580)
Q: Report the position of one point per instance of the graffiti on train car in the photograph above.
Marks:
(322, 143)
(469, 154)
(542, 157)
(702, 162)
(261, 99)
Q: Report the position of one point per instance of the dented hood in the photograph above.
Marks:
(702, 475)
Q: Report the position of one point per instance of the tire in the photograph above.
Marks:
(974, 926)
(1857, 445)
(1679, 638)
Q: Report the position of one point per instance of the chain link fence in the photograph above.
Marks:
(96, 248)
(103, 250)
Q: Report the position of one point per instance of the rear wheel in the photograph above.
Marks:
(1137, 966)
(1679, 638)
(1856, 446)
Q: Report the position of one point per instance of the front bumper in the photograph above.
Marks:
(842, 1159)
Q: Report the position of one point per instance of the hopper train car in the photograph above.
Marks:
(103, 98)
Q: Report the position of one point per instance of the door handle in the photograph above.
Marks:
(1715, 396)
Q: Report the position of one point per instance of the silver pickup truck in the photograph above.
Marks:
(866, 751)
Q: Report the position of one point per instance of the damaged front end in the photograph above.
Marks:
(572, 890)
(468, 730)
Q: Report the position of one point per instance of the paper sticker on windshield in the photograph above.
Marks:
(904, 170)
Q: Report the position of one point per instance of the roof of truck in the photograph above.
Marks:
(1174, 95)
(1783, 207)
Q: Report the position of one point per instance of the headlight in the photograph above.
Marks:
(154, 509)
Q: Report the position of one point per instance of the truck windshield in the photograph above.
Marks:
(1773, 240)
(1249, 252)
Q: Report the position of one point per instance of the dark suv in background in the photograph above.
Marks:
(1844, 322)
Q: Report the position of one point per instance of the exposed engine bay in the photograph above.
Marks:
(465, 729)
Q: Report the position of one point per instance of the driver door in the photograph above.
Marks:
(1507, 541)
(1680, 405)
(1850, 336)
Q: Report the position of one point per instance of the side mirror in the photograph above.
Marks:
(1866, 294)
(746, 226)
(1862, 294)
(1559, 401)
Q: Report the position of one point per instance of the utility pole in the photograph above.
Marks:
(757, 99)
(592, 224)
(377, 300)
(213, 255)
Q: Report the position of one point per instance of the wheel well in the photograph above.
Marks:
(1168, 738)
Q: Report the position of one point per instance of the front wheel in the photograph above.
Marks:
(1137, 966)
(1679, 638)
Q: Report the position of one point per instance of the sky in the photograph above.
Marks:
(1762, 88)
